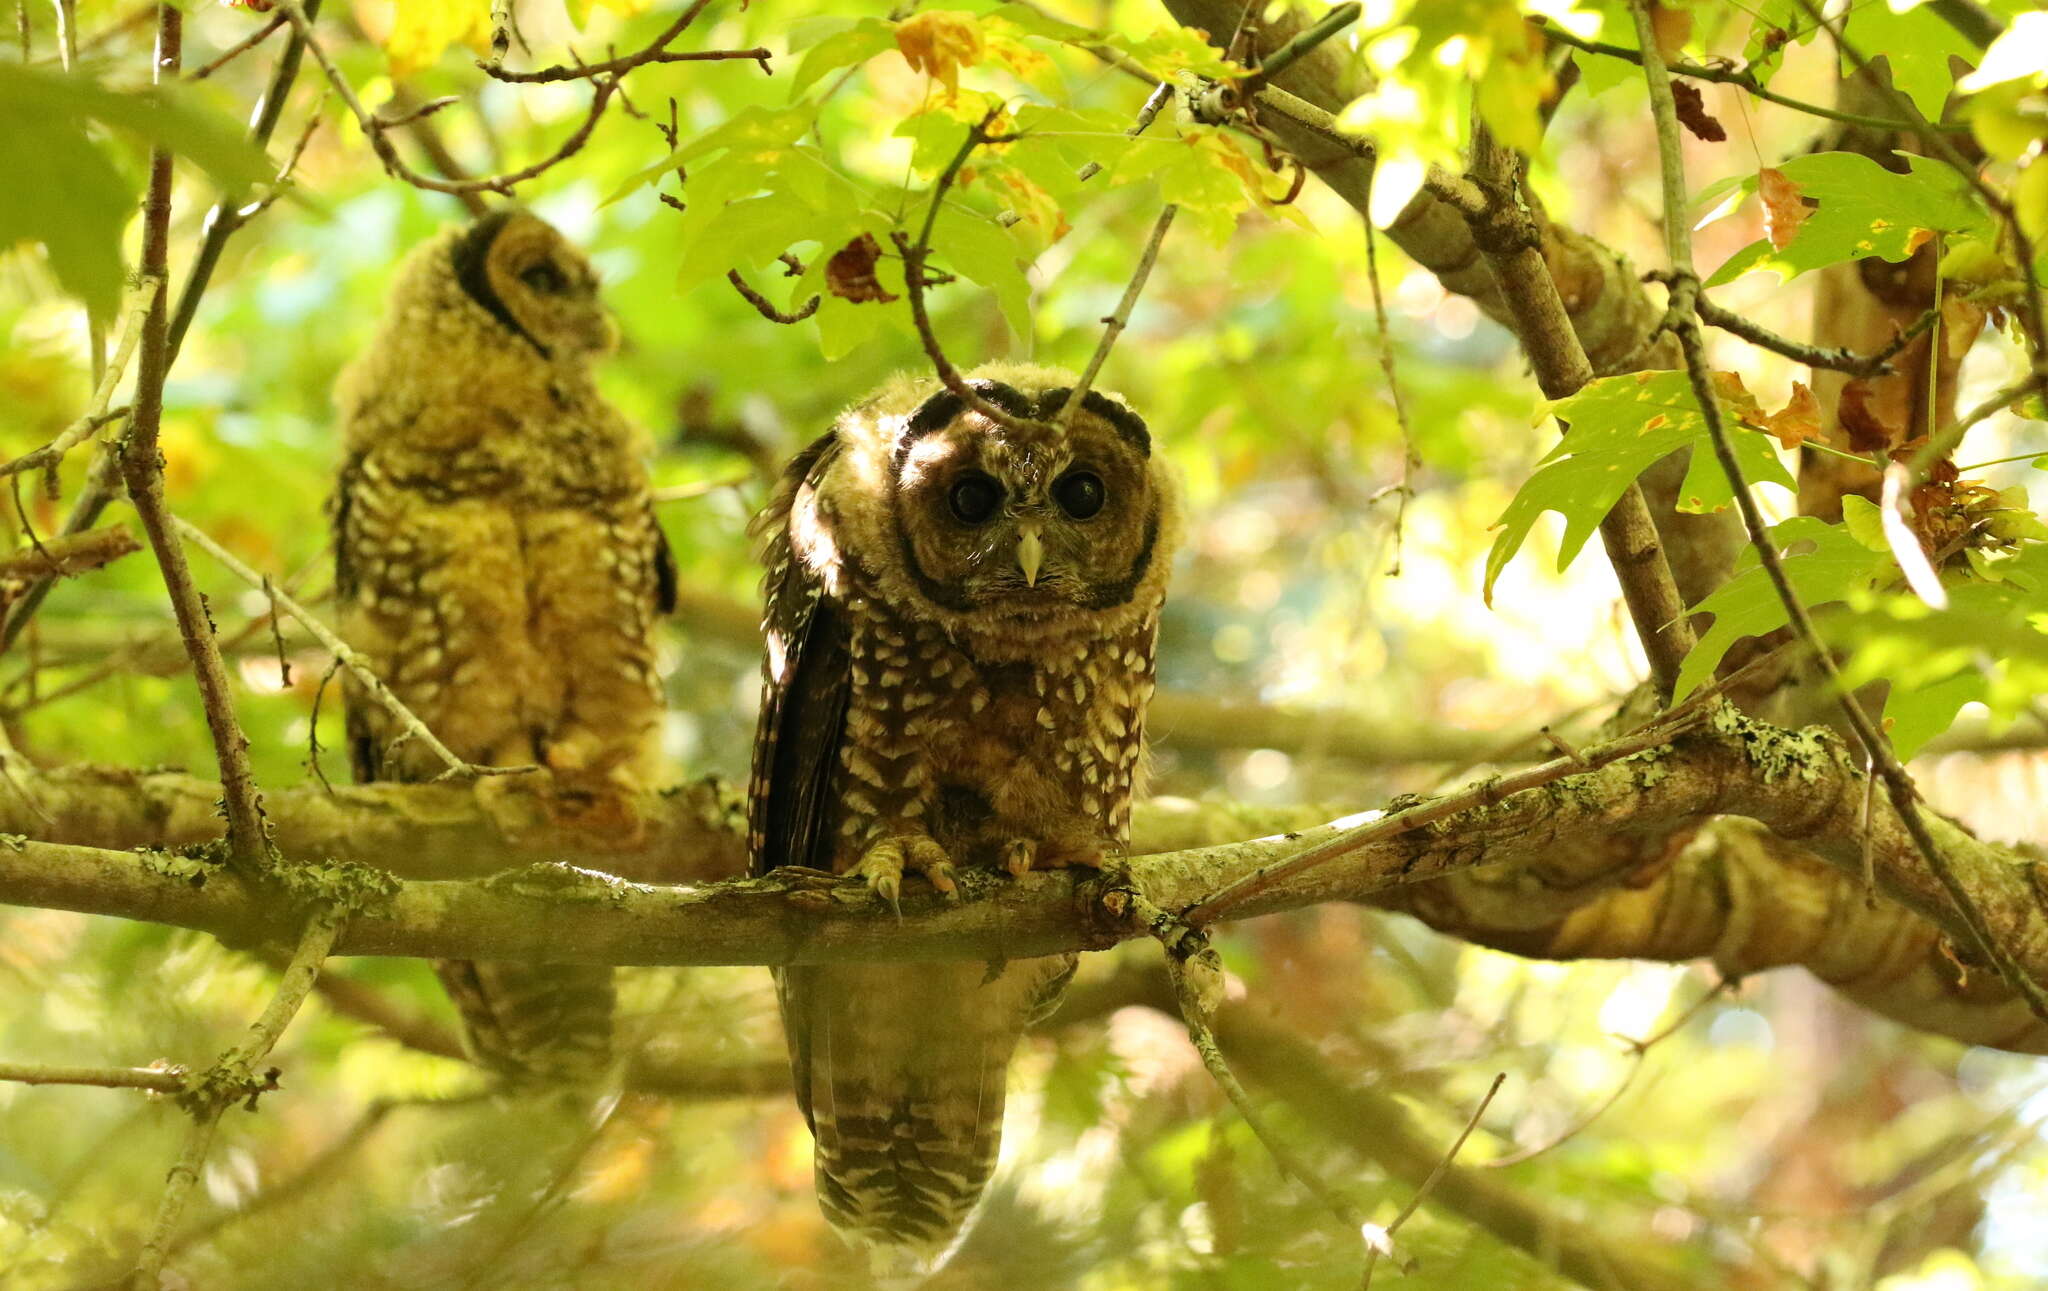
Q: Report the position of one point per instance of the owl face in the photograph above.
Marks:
(1025, 523)
(529, 279)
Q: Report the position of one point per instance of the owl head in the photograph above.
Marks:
(1014, 534)
(528, 280)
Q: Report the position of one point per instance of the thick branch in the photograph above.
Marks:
(1628, 885)
(1802, 785)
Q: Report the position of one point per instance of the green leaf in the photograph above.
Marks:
(984, 251)
(1916, 43)
(1865, 210)
(1614, 429)
(1916, 714)
(754, 132)
(748, 234)
(64, 191)
(1747, 605)
(856, 44)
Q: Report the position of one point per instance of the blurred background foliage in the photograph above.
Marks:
(1778, 1128)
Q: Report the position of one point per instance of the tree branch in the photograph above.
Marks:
(1800, 784)
(1635, 880)
(1741, 78)
(657, 52)
(62, 557)
(227, 1082)
(1683, 320)
(1506, 235)
(142, 469)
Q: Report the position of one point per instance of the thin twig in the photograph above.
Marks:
(96, 413)
(357, 666)
(1683, 320)
(1372, 1250)
(1832, 358)
(417, 112)
(1113, 326)
(1161, 95)
(1639, 1051)
(227, 1082)
(142, 469)
(376, 131)
(162, 1080)
(656, 52)
(240, 47)
(1194, 1012)
(1410, 459)
(765, 307)
(1945, 441)
(691, 492)
(914, 255)
(1744, 79)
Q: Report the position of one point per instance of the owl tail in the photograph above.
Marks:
(901, 1070)
(539, 1023)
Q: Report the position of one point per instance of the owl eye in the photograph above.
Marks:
(1080, 494)
(545, 279)
(974, 498)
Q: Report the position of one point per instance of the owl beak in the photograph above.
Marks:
(1030, 554)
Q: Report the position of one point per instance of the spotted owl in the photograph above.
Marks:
(498, 562)
(960, 626)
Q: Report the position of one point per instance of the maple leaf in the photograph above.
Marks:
(850, 273)
(1693, 114)
(1784, 209)
(1798, 420)
(941, 42)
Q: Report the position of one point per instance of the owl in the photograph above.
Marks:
(960, 627)
(498, 562)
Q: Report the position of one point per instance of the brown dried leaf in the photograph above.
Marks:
(1798, 420)
(1673, 27)
(1866, 427)
(850, 273)
(1784, 209)
(1736, 398)
(1693, 114)
(1961, 322)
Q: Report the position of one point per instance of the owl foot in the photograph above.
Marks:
(1022, 855)
(882, 865)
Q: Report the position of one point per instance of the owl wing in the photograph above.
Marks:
(806, 684)
(364, 747)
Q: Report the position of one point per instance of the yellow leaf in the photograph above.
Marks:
(416, 32)
(940, 43)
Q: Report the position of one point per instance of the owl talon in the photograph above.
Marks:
(1018, 856)
(883, 864)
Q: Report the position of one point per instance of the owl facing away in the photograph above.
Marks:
(960, 628)
(498, 562)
